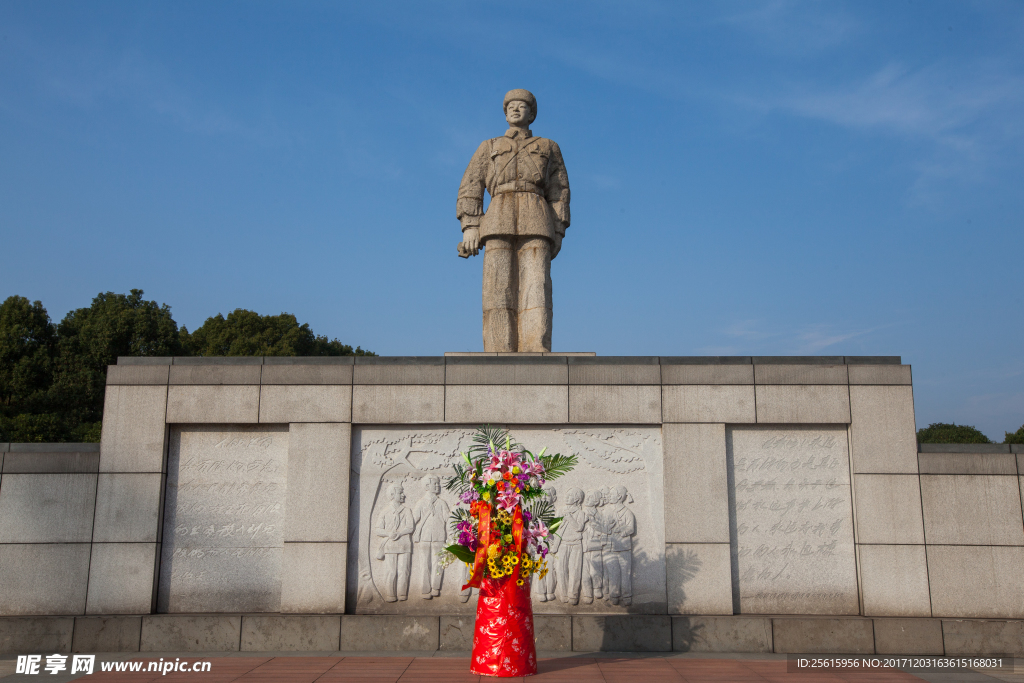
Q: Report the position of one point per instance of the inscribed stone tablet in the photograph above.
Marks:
(223, 534)
(615, 563)
(793, 520)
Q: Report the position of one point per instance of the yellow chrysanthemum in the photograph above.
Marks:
(492, 552)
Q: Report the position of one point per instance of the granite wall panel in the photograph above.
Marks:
(134, 436)
(696, 482)
(224, 519)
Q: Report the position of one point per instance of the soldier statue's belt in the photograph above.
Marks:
(517, 186)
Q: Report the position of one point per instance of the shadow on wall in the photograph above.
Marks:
(638, 630)
(686, 634)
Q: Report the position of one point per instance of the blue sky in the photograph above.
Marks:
(748, 178)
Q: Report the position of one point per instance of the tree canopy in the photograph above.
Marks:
(1015, 437)
(53, 377)
(941, 432)
(28, 342)
(247, 333)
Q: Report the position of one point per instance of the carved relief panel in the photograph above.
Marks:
(610, 554)
(223, 533)
(792, 520)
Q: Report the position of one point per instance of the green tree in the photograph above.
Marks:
(92, 338)
(28, 342)
(1015, 437)
(53, 377)
(941, 432)
(247, 333)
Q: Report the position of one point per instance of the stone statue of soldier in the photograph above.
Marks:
(521, 231)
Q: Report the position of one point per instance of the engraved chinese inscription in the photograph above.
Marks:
(793, 522)
(224, 517)
(608, 558)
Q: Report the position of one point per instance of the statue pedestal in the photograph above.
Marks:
(514, 354)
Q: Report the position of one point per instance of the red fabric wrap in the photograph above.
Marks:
(503, 638)
(517, 538)
(483, 510)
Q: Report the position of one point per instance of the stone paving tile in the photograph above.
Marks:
(568, 670)
(428, 670)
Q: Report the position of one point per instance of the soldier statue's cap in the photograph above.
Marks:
(522, 96)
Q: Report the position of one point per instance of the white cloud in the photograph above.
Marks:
(938, 101)
(791, 26)
(807, 339)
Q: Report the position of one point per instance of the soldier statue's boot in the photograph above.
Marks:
(626, 602)
(614, 600)
(542, 597)
(427, 596)
(551, 597)
(436, 592)
(587, 600)
(390, 598)
(575, 601)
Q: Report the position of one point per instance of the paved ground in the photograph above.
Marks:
(292, 668)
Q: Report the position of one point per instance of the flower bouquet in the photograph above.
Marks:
(503, 525)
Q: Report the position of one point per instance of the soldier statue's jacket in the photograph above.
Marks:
(528, 184)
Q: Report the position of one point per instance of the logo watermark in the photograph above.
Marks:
(86, 664)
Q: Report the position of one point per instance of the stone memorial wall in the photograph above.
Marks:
(224, 518)
(792, 521)
(746, 504)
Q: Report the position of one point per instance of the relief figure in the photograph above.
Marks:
(544, 588)
(395, 527)
(618, 562)
(431, 518)
(574, 520)
(593, 538)
(606, 522)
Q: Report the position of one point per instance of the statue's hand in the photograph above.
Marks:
(557, 246)
(470, 242)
